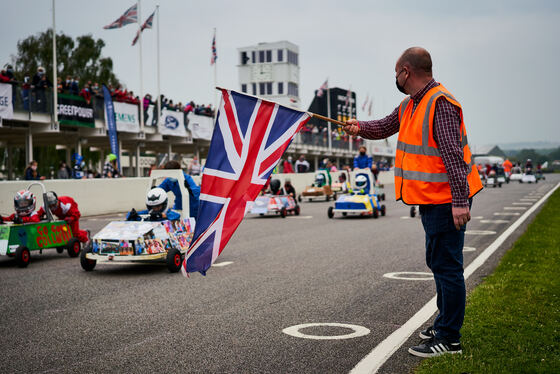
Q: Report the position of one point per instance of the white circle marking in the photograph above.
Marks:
(294, 331)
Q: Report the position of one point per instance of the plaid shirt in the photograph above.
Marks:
(447, 135)
(109, 168)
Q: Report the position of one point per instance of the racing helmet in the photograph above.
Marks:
(275, 186)
(361, 181)
(52, 200)
(320, 180)
(24, 203)
(156, 199)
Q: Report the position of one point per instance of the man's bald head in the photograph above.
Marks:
(418, 60)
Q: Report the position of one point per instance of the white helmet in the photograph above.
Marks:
(361, 181)
(156, 199)
(24, 203)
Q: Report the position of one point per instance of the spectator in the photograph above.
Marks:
(189, 107)
(4, 78)
(31, 172)
(194, 166)
(302, 166)
(146, 104)
(86, 94)
(39, 84)
(362, 161)
(110, 169)
(95, 90)
(62, 172)
(75, 86)
(25, 89)
(374, 171)
(67, 84)
(288, 165)
(59, 86)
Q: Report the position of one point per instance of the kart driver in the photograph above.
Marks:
(276, 188)
(320, 180)
(24, 205)
(361, 184)
(289, 188)
(65, 208)
(156, 203)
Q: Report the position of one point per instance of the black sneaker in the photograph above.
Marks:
(428, 333)
(435, 347)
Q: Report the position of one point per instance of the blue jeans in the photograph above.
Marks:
(444, 256)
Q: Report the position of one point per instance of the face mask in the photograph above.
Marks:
(34, 167)
(362, 153)
(399, 87)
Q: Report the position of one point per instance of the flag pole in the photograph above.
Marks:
(158, 72)
(55, 73)
(141, 96)
(329, 128)
(215, 79)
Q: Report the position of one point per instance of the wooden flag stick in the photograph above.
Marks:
(318, 116)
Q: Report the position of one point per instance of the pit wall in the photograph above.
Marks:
(107, 196)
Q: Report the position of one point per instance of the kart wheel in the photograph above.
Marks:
(375, 213)
(174, 260)
(383, 210)
(283, 212)
(413, 211)
(86, 263)
(59, 249)
(73, 247)
(520, 181)
(296, 210)
(330, 212)
(299, 198)
(344, 214)
(23, 256)
(328, 198)
(500, 185)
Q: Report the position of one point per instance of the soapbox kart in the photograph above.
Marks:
(278, 205)
(362, 200)
(320, 189)
(528, 177)
(516, 174)
(145, 241)
(342, 182)
(19, 240)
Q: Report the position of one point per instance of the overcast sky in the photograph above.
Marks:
(499, 58)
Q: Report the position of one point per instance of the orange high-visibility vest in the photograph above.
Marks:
(420, 175)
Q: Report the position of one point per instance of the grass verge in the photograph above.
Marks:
(512, 321)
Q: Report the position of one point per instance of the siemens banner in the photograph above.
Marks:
(73, 110)
(6, 107)
(126, 116)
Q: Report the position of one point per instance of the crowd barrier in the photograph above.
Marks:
(107, 196)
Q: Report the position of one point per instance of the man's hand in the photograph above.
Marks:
(460, 216)
(352, 127)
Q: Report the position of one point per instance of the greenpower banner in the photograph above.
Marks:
(73, 110)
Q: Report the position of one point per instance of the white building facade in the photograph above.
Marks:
(271, 71)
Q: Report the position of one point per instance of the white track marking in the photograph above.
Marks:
(515, 208)
(480, 232)
(525, 199)
(507, 214)
(494, 221)
(415, 275)
(469, 249)
(477, 217)
(516, 203)
(221, 264)
(300, 217)
(383, 351)
(358, 331)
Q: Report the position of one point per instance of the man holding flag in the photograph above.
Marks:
(249, 139)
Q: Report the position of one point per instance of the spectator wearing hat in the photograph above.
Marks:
(110, 169)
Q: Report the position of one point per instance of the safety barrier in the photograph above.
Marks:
(106, 196)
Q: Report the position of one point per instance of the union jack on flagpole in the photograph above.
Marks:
(146, 25)
(130, 16)
(365, 103)
(370, 107)
(250, 136)
(214, 53)
(323, 88)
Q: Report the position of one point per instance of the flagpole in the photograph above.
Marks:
(329, 129)
(350, 102)
(158, 71)
(215, 79)
(141, 96)
(55, 73)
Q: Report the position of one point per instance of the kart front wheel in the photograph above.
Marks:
(59, 249)
(413, 211)
(23, 256)
(283, 212)
(87, 264)
(297, 210)
(73, 247)
(375, 213)
(299, 199)
(383, 210)
(174, 260)
(330, 212)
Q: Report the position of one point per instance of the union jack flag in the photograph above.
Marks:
(322, 89)
(250, 135)
(214, 53)
(146, 25)
(130, 16)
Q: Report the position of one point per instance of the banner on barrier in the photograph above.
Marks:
(201, 127)
(6, 107)
(172, 123)
(73, 110)
(126, 116)
(111, 125)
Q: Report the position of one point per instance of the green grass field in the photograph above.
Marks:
(512, 321)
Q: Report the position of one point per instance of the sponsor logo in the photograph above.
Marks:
(171, 122)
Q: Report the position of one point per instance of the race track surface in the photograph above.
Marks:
(57, 318)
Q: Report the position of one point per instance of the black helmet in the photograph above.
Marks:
(275, 185)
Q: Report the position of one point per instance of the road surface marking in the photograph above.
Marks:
(358, 331)
(220, 264)
(406, 217)
(507, 214)
(516, 203)
(477, 217)
(480, 232)
(383, 351)
(528, 199)
(300, 217)
(469, 249)
(515, 208)
(414, 275)
(494, 221)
